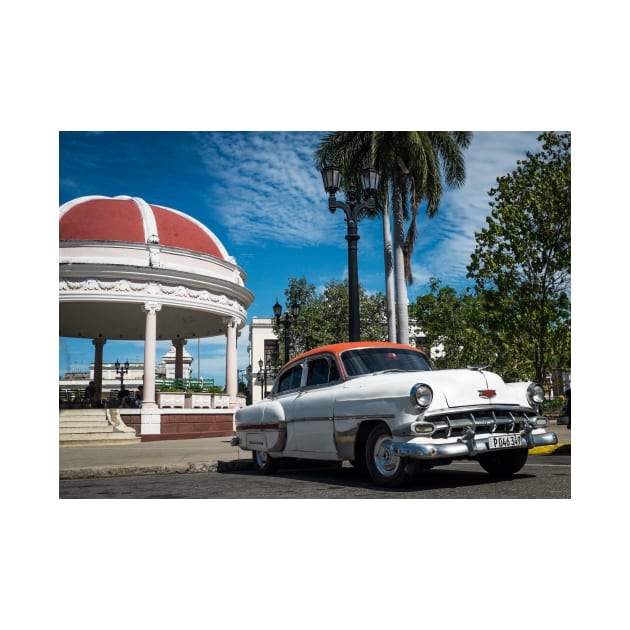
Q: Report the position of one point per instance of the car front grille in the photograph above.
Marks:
(486, 420)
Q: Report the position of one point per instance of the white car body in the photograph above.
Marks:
(373, 418)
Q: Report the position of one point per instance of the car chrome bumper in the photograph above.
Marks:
(464, 447)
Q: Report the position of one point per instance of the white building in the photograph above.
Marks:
(263, 352)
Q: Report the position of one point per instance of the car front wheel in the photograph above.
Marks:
(504, 463)
(385, 468)
(264, 464)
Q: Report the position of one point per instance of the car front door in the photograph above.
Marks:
(312, 415)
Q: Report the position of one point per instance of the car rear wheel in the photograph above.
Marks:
(385, 468)
(504, 463)
(264, 464)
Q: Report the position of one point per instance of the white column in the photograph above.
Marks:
(150, 417)
(231, 358)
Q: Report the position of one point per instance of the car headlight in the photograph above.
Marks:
(421, 396)
(535, 394)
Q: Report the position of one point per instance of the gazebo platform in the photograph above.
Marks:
(94, 426)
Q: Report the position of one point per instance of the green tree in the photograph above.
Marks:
(412, 164)
(455, 327)
(324, 315)
(522, 261)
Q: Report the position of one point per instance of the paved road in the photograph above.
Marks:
(543, 477)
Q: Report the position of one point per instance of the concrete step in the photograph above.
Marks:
(83, 422)
(71, 443)
(81, 413)
(78, 439)
(92, 427)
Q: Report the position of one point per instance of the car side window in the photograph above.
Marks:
(291, 379)
(321, 371)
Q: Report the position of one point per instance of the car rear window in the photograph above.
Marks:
(370, 360)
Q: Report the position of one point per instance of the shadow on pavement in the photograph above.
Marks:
(347, 476)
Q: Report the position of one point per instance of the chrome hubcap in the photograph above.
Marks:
(386, 461)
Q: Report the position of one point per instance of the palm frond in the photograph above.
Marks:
(418, 161)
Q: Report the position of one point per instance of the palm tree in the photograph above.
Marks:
(412, 164)
(390, 286)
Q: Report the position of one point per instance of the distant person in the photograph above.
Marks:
(90, 394)
(123, 397)
(138, 397)
(567, 407)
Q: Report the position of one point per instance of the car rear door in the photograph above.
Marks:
(285, 393)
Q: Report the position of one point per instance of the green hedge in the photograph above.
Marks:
(554, 406)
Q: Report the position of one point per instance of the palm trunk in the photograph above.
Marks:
(390, 294)
(402, 316)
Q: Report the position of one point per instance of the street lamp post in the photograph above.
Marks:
(285, 321)
(122, 370)
(352, 208)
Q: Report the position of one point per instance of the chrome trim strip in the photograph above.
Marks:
(311, 419)
(269, 426)
(381, 416)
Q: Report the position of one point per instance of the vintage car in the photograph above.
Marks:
(384, 408)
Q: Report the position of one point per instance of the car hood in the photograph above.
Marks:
(451, 388)
(465, 387)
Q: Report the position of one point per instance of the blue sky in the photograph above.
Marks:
(261, 194)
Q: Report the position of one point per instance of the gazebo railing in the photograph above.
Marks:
(197, 385)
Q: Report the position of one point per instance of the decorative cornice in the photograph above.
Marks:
(150, 290)
(156, 252)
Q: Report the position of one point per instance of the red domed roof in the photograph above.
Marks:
(133, 220)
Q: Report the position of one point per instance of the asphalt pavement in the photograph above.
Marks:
(188, 456)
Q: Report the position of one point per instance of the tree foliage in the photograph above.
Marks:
(324, 315)
(522, 261)
(454, 326)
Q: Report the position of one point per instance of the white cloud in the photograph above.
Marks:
(446, 242)
(266, 186)
(266, 189)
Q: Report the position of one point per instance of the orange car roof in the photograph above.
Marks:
(336, 348)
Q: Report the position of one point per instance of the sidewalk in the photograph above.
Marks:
(186, 456)
(146, 458)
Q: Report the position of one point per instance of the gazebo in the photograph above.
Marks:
(131, 270)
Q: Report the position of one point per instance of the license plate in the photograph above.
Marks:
(504, 441)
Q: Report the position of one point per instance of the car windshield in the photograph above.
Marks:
(370, 360)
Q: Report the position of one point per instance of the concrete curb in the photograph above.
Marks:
(164, 469)
(563, 448)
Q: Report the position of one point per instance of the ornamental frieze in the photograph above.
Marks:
(153, 289)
